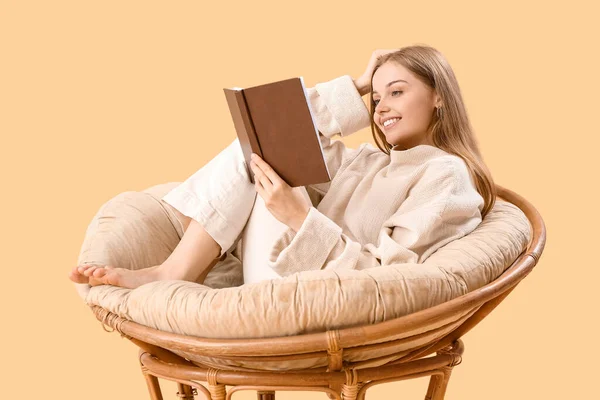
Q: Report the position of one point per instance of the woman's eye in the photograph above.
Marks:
(395, 91)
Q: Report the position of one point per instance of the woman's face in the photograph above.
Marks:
(409, 99)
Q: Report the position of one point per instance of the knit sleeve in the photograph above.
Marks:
(337, 108)
(442, 206)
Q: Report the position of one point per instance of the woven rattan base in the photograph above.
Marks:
(215, 384)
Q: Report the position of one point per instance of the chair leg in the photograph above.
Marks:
(217, 391)
(153, 386)
(350, 392)
(438, 384)
(345, 390)
(185, 392)
(265, 395)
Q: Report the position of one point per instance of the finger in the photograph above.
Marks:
(266, 168)
(260, 176)
(259, 188)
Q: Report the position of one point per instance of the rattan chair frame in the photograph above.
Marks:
(340, 379)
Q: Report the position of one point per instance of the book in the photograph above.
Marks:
(275, 121)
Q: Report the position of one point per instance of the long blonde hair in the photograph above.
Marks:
(452, 132)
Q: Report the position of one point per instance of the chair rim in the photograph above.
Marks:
(358, 335)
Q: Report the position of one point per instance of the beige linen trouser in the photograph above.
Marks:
(222, 199)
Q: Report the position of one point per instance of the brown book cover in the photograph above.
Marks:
(275, 121)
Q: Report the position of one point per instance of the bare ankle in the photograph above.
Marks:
(202, 276)
(166, 272)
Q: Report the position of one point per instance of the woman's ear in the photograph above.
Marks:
(438, 100)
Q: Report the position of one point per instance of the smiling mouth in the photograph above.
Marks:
(386, 128)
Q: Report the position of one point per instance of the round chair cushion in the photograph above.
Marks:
(137, 230)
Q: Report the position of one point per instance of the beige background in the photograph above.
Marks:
(97, 98)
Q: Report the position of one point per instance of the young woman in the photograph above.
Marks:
(424, 185)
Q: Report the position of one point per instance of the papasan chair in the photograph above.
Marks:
(336, 331)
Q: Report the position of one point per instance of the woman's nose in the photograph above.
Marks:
(380, 107)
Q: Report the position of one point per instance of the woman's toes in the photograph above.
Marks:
(99, 272)
(76, 277)
(92, 274)
(90, 271)
(109, 278)
(95, 282)
(83, 268)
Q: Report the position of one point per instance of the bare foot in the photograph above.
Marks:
(108, 275)
(81, 274)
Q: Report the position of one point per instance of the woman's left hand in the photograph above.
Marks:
(286, 203)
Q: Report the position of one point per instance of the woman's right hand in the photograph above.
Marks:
(363, 83)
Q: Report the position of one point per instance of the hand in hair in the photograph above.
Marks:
(363, 83)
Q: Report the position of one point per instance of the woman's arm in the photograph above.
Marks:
(443, 206)
(361, 87)
(338, 109)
